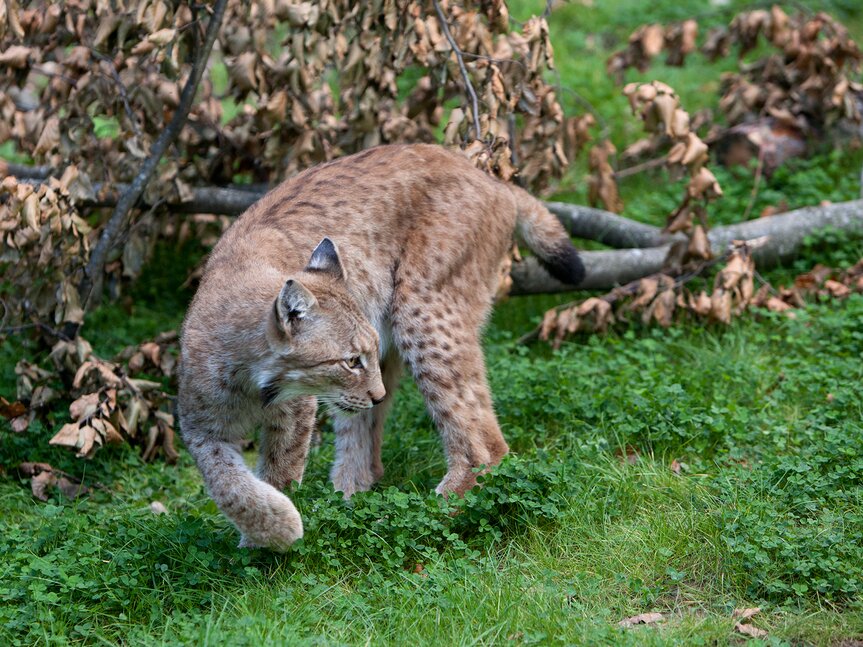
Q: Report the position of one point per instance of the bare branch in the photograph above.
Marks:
(121, 88)
(91, 286)
(608, 228)
(24, 171)
(638, 168)
(474, 102)
(759, 171)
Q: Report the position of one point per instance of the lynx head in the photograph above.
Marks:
(322, 344)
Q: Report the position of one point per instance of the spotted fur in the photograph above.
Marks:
(320, 292)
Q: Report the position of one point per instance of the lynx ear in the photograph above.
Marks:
(294, 302)
(325, 258)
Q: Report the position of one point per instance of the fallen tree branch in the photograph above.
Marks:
(91, 285)
(783, 234)
(605, 269)
(582, 222)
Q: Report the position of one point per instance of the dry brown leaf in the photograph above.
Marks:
(85, 406)
(662, 308)
(749, 630)
(70, 489)
(11, 410)
(15, 56)
(41, 482)
(699, 245)
(836, 289)
(812, 279)
(745, 614)
(642, 619)
(647, 288)
(720, 306)
(775, 304)
(700, 304)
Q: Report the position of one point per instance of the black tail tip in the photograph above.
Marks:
(565, 265)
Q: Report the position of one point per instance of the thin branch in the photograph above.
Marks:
(474, 102)
(24, 171)
(638, 168)
(121, 88)
(91, 286)
(499, 61)
(759, 170)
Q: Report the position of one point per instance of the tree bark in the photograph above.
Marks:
(606, 227)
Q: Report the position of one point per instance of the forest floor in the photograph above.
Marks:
(687, 472)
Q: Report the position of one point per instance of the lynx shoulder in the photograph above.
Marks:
(320, 293)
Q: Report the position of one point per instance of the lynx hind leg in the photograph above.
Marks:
(441, 343)
(263, 515)
(285, 438)
(359, 438)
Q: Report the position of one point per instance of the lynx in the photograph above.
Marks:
(320, 292)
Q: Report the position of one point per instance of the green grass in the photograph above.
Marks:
(562, 543)
(567, 538)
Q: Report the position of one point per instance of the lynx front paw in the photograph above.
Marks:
(245, 542)
(276, 525)
(457, 482)
(348, 482)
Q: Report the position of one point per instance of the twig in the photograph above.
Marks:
(474, 102)
(638, 168)
(24, 171)
(53, 75)
(121, 87)
(492, 59)
(764, 281)
(91, 286)
(759, 170)
(604, 128)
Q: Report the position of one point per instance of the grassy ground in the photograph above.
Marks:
(587, 523)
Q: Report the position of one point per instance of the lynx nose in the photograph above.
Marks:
(377, 400)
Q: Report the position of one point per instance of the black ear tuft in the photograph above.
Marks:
(294, 302)
(325, 258)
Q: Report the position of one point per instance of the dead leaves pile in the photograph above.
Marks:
(820, 282)
(89, 86)
(43, 237)
(659, 108)
(657, 299)
(111, 404)
(668, 124)
(806, 86)
(123, 68)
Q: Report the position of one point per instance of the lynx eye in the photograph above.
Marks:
(354, 362)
